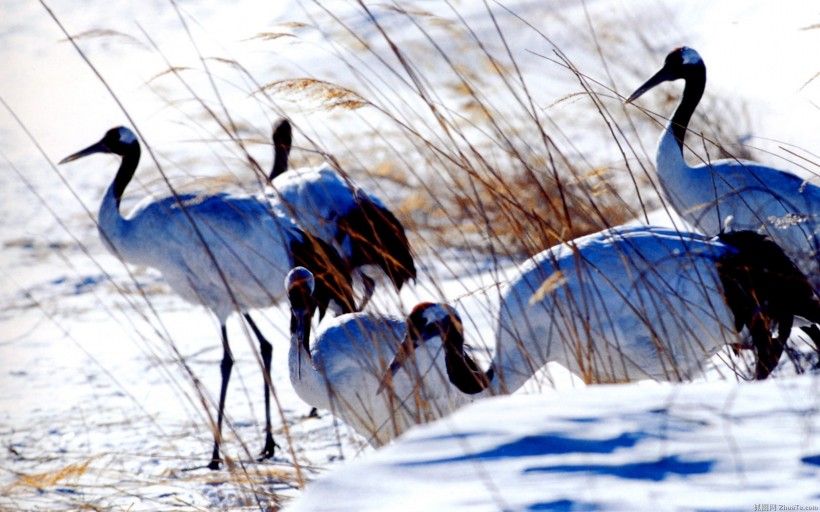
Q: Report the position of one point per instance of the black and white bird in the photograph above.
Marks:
(759, 198)
(331, 207)
(641, 302)
(341, 370)
(635, 303)
(442, 323)
(227, 252)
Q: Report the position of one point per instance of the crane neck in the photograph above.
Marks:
(282, 142)
(464, 373)
(300, 361)
(280, 162)
(130, 160)
(695, 84)
(112, 225)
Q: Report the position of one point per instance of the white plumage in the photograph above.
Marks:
(648, 303)
(342, 369)
(756, 197)
(635, 303)
(332, 208)
(227, 252)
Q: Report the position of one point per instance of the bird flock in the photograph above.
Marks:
(628, 303)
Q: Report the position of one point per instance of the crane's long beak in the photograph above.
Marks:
(300, 328)
(408, 345)
(661, 76)
(98, 147)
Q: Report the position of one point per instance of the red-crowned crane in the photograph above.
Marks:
(227, 252)
(331, 207)
(755, 197)
(635, 303)
(341, 370)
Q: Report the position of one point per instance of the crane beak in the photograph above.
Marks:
(99, 147)
(408, 345)
(658, 78)
(300, 327)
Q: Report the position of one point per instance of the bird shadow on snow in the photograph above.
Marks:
(811, 460)
(541, 445)
(565, 505)
(656, 424)
(655, 471)
(653, 425)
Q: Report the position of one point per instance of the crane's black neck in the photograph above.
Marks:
(692, 93)
(302, 307)
(280, 160)
(296, 326)
(282, 142)
(464, 373)
(130, 160)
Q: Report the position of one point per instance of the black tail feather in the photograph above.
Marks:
(764, 288)
(333, 279)
(378, 238)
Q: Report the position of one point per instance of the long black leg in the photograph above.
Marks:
(225, 368)
(784, 331)
(769, 348)
(266, 350)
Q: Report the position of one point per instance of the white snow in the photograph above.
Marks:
(713, 446)
(109, 380)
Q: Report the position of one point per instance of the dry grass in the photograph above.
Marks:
(99, 483)
(469, 158)
(456, 141)
(48, 479)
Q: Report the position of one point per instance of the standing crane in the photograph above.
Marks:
(331, 207)
(229, 253)
(755, 197)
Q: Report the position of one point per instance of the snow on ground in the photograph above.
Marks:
(701, 446)
(108, 380)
